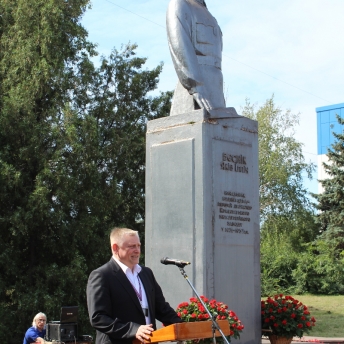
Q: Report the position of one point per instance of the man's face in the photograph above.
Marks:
(128, 252)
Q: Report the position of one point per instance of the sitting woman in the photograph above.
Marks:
(36, 333)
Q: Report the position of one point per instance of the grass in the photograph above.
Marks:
(328, 312)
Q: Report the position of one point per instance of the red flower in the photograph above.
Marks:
(284, 314)
(183, 304)
(313, 319)
(189, 312)
(231, 333)
(204, 298)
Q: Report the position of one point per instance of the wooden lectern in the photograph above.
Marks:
(187, 331)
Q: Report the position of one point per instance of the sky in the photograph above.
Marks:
(292, 49)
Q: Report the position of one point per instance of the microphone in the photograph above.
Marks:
(179, 263)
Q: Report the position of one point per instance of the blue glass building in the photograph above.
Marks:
(327, 124)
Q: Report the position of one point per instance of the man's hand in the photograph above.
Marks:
(39, 340)
(144, 332)
(202, 99)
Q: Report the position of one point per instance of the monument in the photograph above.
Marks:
(202, 185)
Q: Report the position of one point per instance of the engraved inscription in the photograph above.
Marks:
(234, 212)
(234, 163)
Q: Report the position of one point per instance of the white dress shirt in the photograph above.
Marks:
(135, 281)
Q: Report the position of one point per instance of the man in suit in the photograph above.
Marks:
(123, 298)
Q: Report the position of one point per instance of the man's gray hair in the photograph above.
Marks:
(117, 234)
(40, 314)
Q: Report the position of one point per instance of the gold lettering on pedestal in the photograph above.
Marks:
(234, 163)
(234, 212)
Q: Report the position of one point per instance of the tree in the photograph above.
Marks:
(331, 201)
(72, 151)
(324, 256)
(281, 162)
(287, 218)
(283, 241)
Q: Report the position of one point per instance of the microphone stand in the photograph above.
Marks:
(215, 325)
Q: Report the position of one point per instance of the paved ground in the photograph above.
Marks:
(312, 340)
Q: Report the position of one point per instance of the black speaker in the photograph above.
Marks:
(62, 332)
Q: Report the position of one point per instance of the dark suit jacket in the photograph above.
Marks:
(114, 309)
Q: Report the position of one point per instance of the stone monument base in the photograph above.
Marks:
(202, 206)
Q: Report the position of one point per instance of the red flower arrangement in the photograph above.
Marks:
(194, 311)
(285, 316)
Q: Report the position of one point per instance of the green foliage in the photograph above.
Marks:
(281, 162)
(72, 153)
(324, 270)
(320, 270)
(278, 259)
(331, 201)
(287, 218)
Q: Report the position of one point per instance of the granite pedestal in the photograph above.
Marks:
(202, 206)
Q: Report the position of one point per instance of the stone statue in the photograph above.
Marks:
(195, 42)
